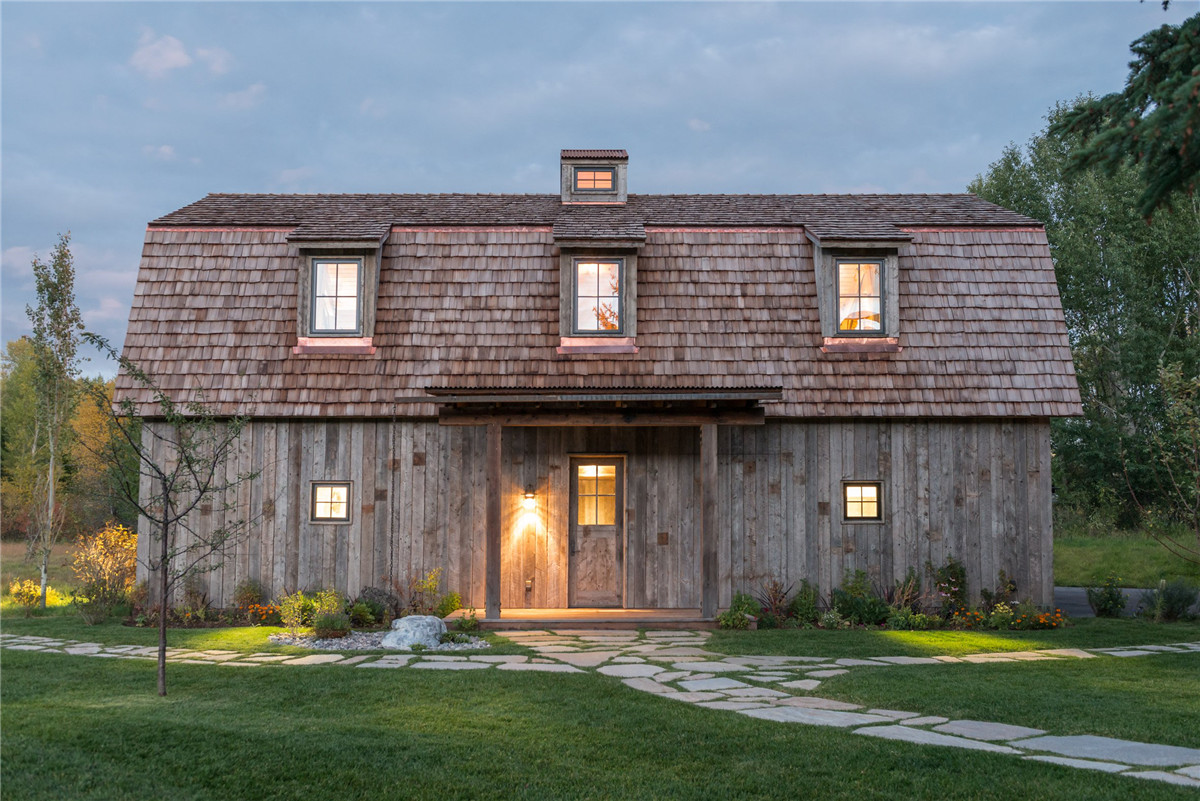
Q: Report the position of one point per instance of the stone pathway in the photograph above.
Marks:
(676, 666)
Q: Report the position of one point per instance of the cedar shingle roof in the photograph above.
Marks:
(594, 154)
(981, 323)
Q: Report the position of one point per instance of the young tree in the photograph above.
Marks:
(183, 457)
(1155, 120)
(56, 327)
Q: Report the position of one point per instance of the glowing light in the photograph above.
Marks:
(530, 502)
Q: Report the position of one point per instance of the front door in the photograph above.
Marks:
(595, 576)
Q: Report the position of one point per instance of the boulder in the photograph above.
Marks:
(415, 630)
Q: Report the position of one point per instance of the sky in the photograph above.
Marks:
(114, 114)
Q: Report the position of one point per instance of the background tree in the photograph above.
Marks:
(56, 327)
(1155, 120)
(1129, 292)
(18, 424)
(182, 459)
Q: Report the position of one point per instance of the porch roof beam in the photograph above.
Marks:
(599, 397)
(508, 417)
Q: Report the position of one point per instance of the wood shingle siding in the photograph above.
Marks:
(981, 326)
(975, 490)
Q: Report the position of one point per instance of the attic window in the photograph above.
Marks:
(598, 284)
(595, 179)
(337, 292)
(860, 297)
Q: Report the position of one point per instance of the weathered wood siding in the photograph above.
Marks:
(975, 490)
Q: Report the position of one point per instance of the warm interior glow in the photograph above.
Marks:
(862, 501)
(859, 296)
(593, 179)
(530, 502)
(330, 502)
(596, 495)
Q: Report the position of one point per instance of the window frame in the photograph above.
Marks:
(578, 168)
(622, 296)
(846, 485)
(312, 503)
(882, 264)
(314, 264)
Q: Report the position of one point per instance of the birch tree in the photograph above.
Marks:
(57, 324)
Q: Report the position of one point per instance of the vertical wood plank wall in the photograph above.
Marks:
(976, 490)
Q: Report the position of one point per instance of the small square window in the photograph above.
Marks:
(598, 296)
(595, 179)
(331, 502)
(336, 288)
(862, 501)
(860, 297)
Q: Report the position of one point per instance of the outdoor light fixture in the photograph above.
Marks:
(530, 502)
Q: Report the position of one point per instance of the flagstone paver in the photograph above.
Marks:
(982, 730)
(1090, 746)
(1087, 764)
(690, 674)
(926, 737)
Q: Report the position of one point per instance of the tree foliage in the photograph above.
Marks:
(182, 478)
(1129, 290)
(1155, 120)
(56, 326)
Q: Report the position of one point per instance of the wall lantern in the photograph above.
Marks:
(530, 502)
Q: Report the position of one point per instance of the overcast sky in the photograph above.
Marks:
(115, 114)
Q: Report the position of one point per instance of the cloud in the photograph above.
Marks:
(291, 178)
(17, 261)
(248, 98)
(159, 153)
(158, 55)
(372, 108)
(698, 125)
(109, 309)
(218, 60)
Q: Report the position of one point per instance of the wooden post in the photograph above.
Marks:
(708, 520)
(491, 591)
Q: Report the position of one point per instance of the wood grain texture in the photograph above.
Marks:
(975, 490)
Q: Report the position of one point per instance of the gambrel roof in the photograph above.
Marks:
(469, 297)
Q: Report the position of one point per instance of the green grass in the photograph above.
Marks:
(1136, 558)
(85, 728)
(1148, 699)
(1083, 633)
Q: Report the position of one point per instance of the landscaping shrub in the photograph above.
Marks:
(331, 624)
(950, 586)
(28, 595)
(450, 602)
(831, 619)
(742, 610)
(1001, 616)
(105, 565)
(295, 612)
(1005, 593)
(247, 594)
(906, 593)
(263, 615)
(1026, 617)
(328, 602)
(361, 614)
(803, 608)
(383, 604)
(856, 602)
(468, 622)
(905, 619)
(1107, 600)
(454, 637)
(1169, 602)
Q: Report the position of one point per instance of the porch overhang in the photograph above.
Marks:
(603, 407)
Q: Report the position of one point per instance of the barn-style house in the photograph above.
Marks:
(606, 400)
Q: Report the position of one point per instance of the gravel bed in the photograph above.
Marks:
(367, 641)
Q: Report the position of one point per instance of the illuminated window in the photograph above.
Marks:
(595, 179)
(861, 501)
(331, 502)
(860, 298)
(336, 307)
(597, 495)
(598, 296)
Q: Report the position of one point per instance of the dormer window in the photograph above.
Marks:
(598, 296)
(860, 297)
(595, 179)
(337, 293)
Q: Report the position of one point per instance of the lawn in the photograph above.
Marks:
(1135, 557)
(85, 728)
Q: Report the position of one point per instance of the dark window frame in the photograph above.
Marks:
(316, 262)
(622, 305)
(575, 187)
(312, 502)
(878, 485)
(881, 264)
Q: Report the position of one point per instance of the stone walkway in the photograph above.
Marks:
(676, 666)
